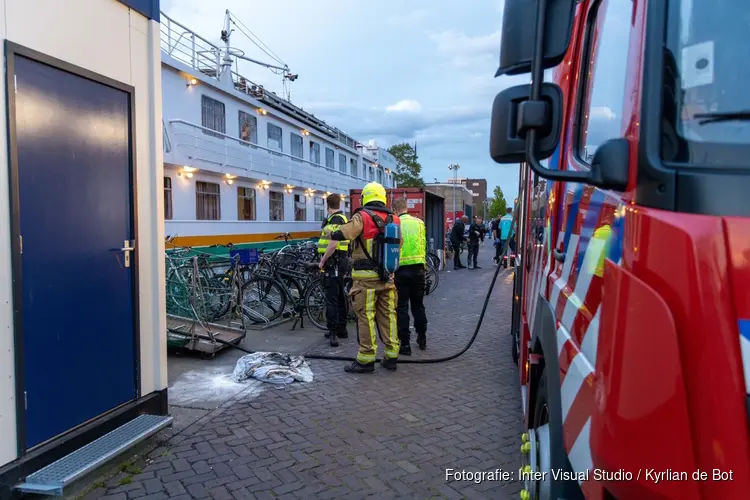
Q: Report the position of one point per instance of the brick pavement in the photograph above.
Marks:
(382, 435)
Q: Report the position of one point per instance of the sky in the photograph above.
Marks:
(391, 71)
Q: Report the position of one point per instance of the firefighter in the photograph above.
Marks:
(374, 298)
(410, 278)
(335, 271)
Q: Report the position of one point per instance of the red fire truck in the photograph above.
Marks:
(631, 311)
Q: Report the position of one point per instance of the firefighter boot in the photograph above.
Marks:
(422, 341)
(357, 367)
(332, 338)
(389, 364)
(405, 349)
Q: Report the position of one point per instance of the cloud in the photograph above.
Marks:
(602, 112)
(465, 51)
(406, 105)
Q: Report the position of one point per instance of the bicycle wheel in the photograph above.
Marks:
(434, 259)
(263, 299)
(432, 277)
(315, 304)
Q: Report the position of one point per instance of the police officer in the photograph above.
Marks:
(410, 278)
(335, 270)
(374, 299)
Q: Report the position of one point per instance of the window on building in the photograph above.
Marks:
(329, 158)
(379, 175)
(371, 174)
(275, 140)
(245, 203)
(248, 127)
(207, 201)
(296, 145)
(300, 207)
(320, 209)
(276, 205)
(353, 166)
(342, 162)
(315, 152)
(167, 198)
(604, 92)
(213, 116)
(347, 209)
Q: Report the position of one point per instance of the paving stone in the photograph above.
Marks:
(386, 435)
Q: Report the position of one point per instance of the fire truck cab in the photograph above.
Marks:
(631, 308)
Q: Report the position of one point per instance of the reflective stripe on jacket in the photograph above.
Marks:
(414, 235)
(323, 241)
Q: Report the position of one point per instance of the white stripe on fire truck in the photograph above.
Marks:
(745, 351)
(561, 339)
(580, 453)
(579, 369)
(588, 267)
(591, 338)
(562, 281)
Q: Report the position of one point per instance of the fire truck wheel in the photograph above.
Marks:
(536, 449)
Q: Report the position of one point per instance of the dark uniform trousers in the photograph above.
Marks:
(336, 314)
(410, 283)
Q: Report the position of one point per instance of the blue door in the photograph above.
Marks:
(76, 210)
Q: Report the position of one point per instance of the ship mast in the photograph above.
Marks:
(226, 66)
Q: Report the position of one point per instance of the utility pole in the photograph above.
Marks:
(454, 167)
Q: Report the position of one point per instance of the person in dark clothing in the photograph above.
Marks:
(335, 270)
(495, 233)
(475, 232)
(457, 236)
(482, 231)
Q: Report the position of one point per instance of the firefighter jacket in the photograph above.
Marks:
(414, 235)
(331, 224)
(361, 229)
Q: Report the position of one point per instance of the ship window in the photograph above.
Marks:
(207, 201)
(353, 164)
(296, 142)
(275, 140)
(342, 163)
(320, 211)
(167, 198)
(213, 116)
(248, 128)
(606, 61)
(245, 203)
(276, 205)
(347, 209)
(315, 152)
(380, 176)
(329, 158)
(300, 207)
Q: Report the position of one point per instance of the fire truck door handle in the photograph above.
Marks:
(528, 258)
(559, 256)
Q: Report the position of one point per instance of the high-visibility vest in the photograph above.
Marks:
(323, 241)
(414, 235)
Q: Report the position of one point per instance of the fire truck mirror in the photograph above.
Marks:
(519, 34)
(609, 167)
(513, 114)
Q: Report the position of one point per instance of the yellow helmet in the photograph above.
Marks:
(373, 192)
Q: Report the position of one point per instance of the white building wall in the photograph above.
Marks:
(105, 37)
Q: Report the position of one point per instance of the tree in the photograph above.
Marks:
(408, 169)
(498, 206)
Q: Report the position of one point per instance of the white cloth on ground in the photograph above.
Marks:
(272, 367)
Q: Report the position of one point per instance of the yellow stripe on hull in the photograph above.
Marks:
(238, 239)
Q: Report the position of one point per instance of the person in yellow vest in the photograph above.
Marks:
(335, 270)
(410, 278)
(373, 295)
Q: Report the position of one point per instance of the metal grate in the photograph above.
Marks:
(53, 478)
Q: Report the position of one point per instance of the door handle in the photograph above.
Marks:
(126, 249)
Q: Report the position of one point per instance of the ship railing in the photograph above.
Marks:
(190, 48)
(208, 145)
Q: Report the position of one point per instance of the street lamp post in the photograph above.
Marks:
(454, 168)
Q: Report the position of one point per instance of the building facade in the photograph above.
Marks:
(82, 299)
(478, 188)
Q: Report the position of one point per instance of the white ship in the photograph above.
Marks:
(242, 164)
